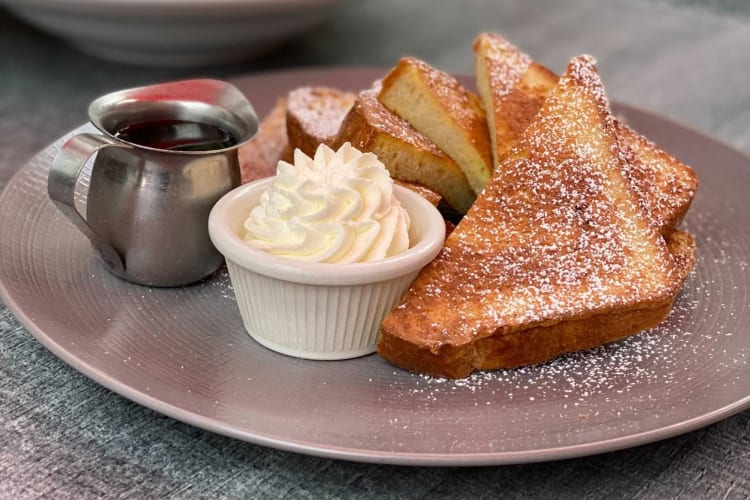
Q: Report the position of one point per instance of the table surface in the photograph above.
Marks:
(63, 435)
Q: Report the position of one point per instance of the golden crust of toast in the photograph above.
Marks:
(442, 109)
(665, 186)
(314, 115)
(682, 247)
(543, 342)
(555, 255)
(259, 157)
(513, 88)
(408, 155)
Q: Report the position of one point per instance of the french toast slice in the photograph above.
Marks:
(555, 255)
(513, 88)
(664, 185)
(259, 157)
(442, 109)
(408, 155)
(314, 115)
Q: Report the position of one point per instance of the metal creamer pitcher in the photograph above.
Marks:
(165, 155)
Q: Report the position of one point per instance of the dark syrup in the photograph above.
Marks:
(177, 135)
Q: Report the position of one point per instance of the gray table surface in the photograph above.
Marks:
(63, 436)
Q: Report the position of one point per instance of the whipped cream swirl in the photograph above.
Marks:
(336, 207)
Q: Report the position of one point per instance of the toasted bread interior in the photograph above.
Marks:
(408, 155)
(443, 110)
(664, 185)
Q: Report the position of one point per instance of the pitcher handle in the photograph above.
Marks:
(61, 184)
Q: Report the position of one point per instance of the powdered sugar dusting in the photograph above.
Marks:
(663, 184)
(462, 105)
(582, 70)
(437, 105)
(611, 369)
(319, 111)
(504, 63)
(219, 286)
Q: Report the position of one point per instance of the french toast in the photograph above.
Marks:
(513, 88)
(556, 255)
(664, 185)
(314, 115)
(442, 109)
(408, 155)
(259, 157)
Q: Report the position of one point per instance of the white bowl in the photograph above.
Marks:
(173, 32)
(318, 310)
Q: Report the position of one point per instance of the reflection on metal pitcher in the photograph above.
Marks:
(166, 154)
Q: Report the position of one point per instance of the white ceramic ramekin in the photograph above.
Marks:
(318, 310)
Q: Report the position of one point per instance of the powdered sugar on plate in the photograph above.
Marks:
(670, 361)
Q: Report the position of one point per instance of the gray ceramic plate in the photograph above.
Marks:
(183, 351)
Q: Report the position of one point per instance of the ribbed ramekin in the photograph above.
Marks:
(318, 310)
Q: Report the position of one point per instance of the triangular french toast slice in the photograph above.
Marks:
(555, 255)
(513, 88)
(407, 154)
(442, 109)
(664, 185)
